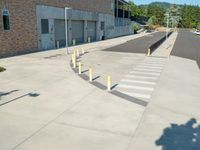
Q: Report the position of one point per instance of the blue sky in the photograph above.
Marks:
(192, 2)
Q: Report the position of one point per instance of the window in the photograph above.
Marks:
(45, 26)
(6, 21)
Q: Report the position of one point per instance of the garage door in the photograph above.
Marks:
(60, 32)
(78, 31)
(91, 31)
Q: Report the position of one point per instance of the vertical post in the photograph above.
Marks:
(74, 42)
(66, 31)
(109, 83)
(58, 44)
(83, 51)
(74, 63)
(117, 15)
(79, 68)
(90, 74)
(77, 52)
(167, 26)
(149, 52)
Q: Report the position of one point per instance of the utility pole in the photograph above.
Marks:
(167, 26)
(66, 31)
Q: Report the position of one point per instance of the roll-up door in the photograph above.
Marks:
(91, 30)
(78, 31)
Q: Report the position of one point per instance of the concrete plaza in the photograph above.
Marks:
(45, 105)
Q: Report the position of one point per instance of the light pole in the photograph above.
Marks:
(66, 31)
(167, 26)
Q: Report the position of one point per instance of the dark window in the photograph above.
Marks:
(45, 26)
(6, 21)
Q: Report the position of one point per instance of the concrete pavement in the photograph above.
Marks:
(67, 112)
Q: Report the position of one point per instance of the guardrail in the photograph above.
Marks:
(154, 46)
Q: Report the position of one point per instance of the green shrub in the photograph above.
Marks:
(198, 26)
(2, 69)
(136, 27)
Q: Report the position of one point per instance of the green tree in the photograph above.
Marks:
(158, 12)
(153, 20)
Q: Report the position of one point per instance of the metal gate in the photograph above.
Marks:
(91, 30)
(78, 31)
(60, 37)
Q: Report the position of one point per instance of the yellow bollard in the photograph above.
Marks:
(109, 83)
(74, 62)
(83, 51)
(79, 68)
(149, 52)
(90, 74)
(89, 39)
(74, 42)
(77, 52)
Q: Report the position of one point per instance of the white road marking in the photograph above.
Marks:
(154, 64)
(135, 87)
(137, 95)
(149, 67)
(141, 77)
(151, 70)
(138, 81)
(147, 73)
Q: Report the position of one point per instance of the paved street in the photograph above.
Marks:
(139, 45)
(187, 46)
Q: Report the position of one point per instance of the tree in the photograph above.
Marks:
(158, 12)
(153, 20)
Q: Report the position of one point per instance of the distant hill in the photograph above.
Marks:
(164, 5)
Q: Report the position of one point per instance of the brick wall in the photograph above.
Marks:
(22, 36)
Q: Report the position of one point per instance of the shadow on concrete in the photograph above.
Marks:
(17, 98)
(95, 78)
(181, 137)
(7, 93)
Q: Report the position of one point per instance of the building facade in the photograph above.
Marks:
(35, 25)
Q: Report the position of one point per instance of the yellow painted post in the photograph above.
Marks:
(83, 51)
(89, 39)
(74, 42)
(74, 52)
(74, 63)
(79, 68)
(90, 74)
(58, 44)
(77, 52)
(149, 52)
(109, 83)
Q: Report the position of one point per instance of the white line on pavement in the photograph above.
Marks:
(141, 77)
(153, 65)
(135, 87)
(138, 81)
(149, 67)
(151, 70)
(145, 73)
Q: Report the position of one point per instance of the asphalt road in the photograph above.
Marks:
(187, 45)
(139, 45)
